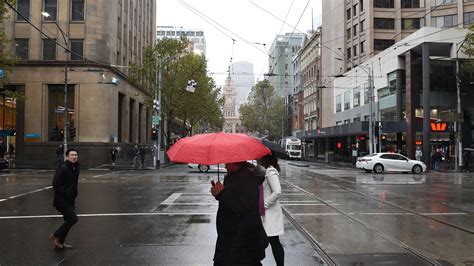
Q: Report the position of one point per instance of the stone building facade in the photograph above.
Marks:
(105, 38)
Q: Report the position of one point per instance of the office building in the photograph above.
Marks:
(195, 36)
(105, 38)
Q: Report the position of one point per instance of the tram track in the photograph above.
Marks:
(467, 230)
(366, 225)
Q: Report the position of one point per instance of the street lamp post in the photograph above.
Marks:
(156, 161)
(66, 109)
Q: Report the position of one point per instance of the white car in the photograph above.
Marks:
(204, 168)
(389, 162)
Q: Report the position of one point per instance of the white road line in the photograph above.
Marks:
(27, 193)
(196, 204)
(171, 199)
(446, 213)
(299, 201)
(2, 200)
(308, 204)
(7, 175)
(110, 214)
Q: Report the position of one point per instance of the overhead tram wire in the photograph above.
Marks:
(202, 15)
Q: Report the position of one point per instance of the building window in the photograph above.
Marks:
(349, 53)
(384, 23)
(381, 44)
(354, 50)
(356, 119)
(21, 49)
(384, 3)
(348, 31)
(442, 2)
(468, 18)
(361, 5)
(338, 103)
(356, 100)
(77, 49)
(362, 44)
(23, 7)
(361, 28)
(56, 110)
(354, 10)
(412, 23)
(444, 21)
(347, 121)
(410, 3)
(51, 6)
(8, 110)
(77, 10)
(348, 14)
(49, 49)
(354, 30)
(347, 100)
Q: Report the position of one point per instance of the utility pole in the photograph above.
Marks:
(458, 122)
(157, 144)
(371, 122)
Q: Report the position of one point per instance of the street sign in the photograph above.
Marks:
(155, 120)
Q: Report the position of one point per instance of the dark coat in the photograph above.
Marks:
(241, 238)
(65, 184)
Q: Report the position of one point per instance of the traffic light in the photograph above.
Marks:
(156, 106)
(154, 134)
(451, 137)
(72, 132)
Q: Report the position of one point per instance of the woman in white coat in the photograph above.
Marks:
(273, 218)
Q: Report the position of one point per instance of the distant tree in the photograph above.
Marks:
(468, 45)
(178, 105)
(265, 112)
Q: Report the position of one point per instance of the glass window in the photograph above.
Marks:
(410, 3)
(442, 2)
(348, 14)
(77, 49)
(354, 10)
(338, 103)
(384, 3)
(384, 23)
(361, 5)
(23, 7)
(356, 101)
(381, 44)
(354, 50)
(56, 110)
(412, 23)
(51, 6)
(468, 18)
(49, 49)
(348, 32)
(77, 10)
(362, 44)
(362, 26)
(21, 49)
(444, 21)
(347, 100)
(348, 53)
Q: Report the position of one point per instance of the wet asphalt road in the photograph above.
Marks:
(334, 215)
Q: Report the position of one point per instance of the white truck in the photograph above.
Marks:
(292, 147)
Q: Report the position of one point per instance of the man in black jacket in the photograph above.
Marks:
(65, 193)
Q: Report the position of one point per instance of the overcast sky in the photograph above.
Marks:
(247, 21)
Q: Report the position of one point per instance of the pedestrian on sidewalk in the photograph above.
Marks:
(113, 155)
(142, 155)
(65, 193)
(59, 156)
(241, 238)
(136, 158)
(437, 157)
(272, 219)
(418, 153)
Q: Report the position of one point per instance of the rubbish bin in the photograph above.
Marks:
(329, 157)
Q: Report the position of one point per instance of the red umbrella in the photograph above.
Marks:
(216, 148)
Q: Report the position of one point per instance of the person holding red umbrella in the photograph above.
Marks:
(241, 238)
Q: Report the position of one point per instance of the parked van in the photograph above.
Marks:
(292, 147)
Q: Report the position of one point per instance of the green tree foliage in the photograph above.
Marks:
(191, 110)
(468, 45)
(265, 112)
